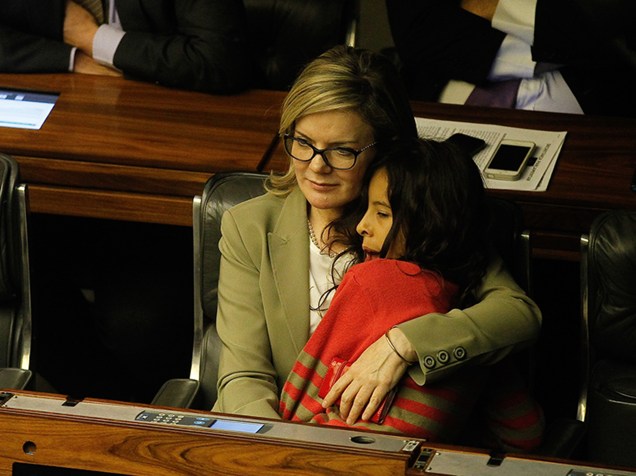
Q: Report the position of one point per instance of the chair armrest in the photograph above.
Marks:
(177, 392)
(14, 378)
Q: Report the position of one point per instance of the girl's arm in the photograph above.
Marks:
(504, 320)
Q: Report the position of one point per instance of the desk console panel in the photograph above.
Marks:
(46, 434)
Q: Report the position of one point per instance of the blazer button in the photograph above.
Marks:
(429, 362)
(459, 353)
(443, 357)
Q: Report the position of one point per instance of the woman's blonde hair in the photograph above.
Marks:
(347, 78)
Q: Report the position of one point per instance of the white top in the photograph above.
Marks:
(538, 91)
(321, 280)
(106, 39)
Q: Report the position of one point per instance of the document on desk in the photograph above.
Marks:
(25, 109)
(536, 176)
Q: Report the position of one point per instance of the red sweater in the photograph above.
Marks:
(373, 297)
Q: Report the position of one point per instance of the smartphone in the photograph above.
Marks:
(509, 160)
(470, 144)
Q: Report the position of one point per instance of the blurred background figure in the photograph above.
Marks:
(190, 44)
(575, 56)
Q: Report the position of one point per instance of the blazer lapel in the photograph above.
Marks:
(288, 247)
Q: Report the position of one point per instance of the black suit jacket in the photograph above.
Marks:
(437, 41)
(193, 44)
(31, 37)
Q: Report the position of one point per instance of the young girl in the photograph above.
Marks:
(424, 243)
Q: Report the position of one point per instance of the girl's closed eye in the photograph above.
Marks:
(377, 222)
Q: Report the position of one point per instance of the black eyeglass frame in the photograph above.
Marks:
(321, 152)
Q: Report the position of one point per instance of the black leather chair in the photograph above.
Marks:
(284, 35)
(15, 290)
(608, 298)
(511, 239)
(221, 192)
(563, 436)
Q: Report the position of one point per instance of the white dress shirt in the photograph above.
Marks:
(106, 39)
(541, 89)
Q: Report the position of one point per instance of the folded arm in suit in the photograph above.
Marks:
(31, 37)
(437, 41)
(200, 45)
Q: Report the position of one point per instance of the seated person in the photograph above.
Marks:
(424, 243)
(272, 275)
(198, 45)
(544, 55)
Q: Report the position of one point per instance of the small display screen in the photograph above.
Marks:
(508, 157)
(200, 421)
(25, 109)
(232, 425)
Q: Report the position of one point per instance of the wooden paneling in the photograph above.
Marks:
(128, 150)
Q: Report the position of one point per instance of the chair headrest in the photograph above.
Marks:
(221, 192)
(286, 34)
(611, 275)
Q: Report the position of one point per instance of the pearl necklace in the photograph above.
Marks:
(314, 240)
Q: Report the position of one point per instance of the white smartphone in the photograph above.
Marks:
(509, 160)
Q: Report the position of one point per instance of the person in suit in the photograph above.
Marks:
(277, 253)
(576, 56)
(194, 44)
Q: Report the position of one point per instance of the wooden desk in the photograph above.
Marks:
(44, 431)
(593, 173)
(121, 438)
(128, 150)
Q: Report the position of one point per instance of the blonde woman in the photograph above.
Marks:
(278, 250)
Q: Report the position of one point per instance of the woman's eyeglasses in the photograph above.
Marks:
(339, 158)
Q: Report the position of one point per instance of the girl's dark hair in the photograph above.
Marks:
(438, 201)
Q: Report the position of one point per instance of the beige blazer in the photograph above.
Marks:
(263, 313)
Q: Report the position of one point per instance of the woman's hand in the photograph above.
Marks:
(363, 387)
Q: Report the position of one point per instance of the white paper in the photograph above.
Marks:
(535, 178)
(24, 109)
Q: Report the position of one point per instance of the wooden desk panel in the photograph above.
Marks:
(140, 145)
(90, 175)
(593, 173)
(124, 206)
(99, 435)
(127, 150)
(42, 430)
(595, 166)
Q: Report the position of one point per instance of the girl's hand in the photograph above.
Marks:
(363, 387)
